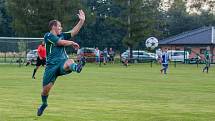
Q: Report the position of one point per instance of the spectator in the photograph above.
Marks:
(111, 54)
(105, 56)
(97, 53)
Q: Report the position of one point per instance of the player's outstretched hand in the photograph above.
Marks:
(81, 15)
(76, 46)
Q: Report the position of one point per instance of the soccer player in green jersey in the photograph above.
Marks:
(57, 62)
(207, 59)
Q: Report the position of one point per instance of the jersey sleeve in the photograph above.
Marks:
(67, 35)
(51, 38)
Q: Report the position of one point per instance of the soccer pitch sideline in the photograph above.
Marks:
(111, 93)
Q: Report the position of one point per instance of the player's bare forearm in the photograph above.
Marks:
(78, 26)
(68, 43)
(65, 43)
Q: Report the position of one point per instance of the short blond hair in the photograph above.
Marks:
(53, 23)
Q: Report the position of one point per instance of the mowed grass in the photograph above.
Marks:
(111, 93)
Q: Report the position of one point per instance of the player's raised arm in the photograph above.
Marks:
(77, 28)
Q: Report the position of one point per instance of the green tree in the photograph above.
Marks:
(31, 17)
(140, 19)
(5, 20)
(203, 6)
(99, 33)
(179, 19)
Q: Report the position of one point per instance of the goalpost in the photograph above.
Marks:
(15, 49)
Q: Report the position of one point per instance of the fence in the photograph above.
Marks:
(15, 49)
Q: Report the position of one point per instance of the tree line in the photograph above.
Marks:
(109, 23)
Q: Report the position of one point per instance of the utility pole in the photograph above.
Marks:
(129, 29)
(129, 19)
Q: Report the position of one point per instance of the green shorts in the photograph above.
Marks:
(53, 71)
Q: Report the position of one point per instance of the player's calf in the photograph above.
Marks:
(78, 67)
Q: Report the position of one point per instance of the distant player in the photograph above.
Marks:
(207, 60)
(164, 61)
(57, 63)
(41, 59)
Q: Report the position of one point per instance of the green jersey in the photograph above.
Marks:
(54, 52)
(207, 57)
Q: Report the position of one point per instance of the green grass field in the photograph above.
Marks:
(111, 93)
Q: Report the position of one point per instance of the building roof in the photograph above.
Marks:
(203, 35)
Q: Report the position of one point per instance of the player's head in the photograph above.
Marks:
(55, 26)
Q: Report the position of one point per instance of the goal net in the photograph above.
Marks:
(15, 49)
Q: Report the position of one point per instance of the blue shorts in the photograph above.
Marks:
(53, 71)
(165, 65)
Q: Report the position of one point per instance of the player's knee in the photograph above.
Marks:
(46, 89)
(71, 61)
(67, 64)
(45, 92)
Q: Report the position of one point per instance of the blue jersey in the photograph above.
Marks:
(54, 52)
(165, 58)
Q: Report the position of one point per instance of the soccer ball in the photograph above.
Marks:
(151, 43)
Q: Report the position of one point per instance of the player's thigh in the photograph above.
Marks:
(50, 74)
(39, 62)
(166, 65)
(43, 62)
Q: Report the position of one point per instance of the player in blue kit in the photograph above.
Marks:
(57, 62)
(164, 61)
